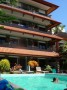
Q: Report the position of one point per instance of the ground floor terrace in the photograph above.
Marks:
(23, 61)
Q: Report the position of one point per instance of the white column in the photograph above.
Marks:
(29, 68)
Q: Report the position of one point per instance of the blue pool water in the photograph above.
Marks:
(37, 81)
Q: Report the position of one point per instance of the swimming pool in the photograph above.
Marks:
(37, 81)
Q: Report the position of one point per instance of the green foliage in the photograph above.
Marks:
(48, 68)
(4, 65)
(63, 53)
(1, 12)
(1, 27)
(2, 1)
(63, 48)
(5, 18)
(13, 2)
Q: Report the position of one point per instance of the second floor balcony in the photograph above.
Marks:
(27, 43)
(13, 45)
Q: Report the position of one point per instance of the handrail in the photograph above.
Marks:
(25, 27)
(5, 3)
(23, 47)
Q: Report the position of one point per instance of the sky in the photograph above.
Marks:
(60, 14)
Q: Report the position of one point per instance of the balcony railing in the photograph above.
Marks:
(33, 11)
(12, 45)
(26, 27)
(30, 9)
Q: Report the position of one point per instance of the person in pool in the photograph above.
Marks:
(55, 80)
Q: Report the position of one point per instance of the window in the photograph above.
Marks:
(42, 45)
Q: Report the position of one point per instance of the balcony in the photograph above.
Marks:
(26, 43)
(33, 10)
(27, 27)
(28, 47)
(40, 19)
(28, 8)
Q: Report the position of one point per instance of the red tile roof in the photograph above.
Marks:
(52, 6)
(16, 51)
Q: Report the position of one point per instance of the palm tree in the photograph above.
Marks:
(58, 28)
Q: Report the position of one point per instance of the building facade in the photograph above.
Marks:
(26, 33)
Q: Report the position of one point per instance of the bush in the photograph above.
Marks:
(48, 68)
(4, 65)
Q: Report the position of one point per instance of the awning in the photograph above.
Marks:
(26, 52)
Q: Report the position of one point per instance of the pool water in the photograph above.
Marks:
(36, 82)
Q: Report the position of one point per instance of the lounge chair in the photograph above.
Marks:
(38, 70)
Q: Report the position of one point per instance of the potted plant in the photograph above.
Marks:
(32, 64)
(48, 68)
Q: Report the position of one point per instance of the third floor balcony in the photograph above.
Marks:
(28, 15)
(28, 26)
(33, 6)
(27, 7)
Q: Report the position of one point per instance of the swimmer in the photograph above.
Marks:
(55, 80)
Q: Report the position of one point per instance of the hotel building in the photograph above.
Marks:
(29, 34)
